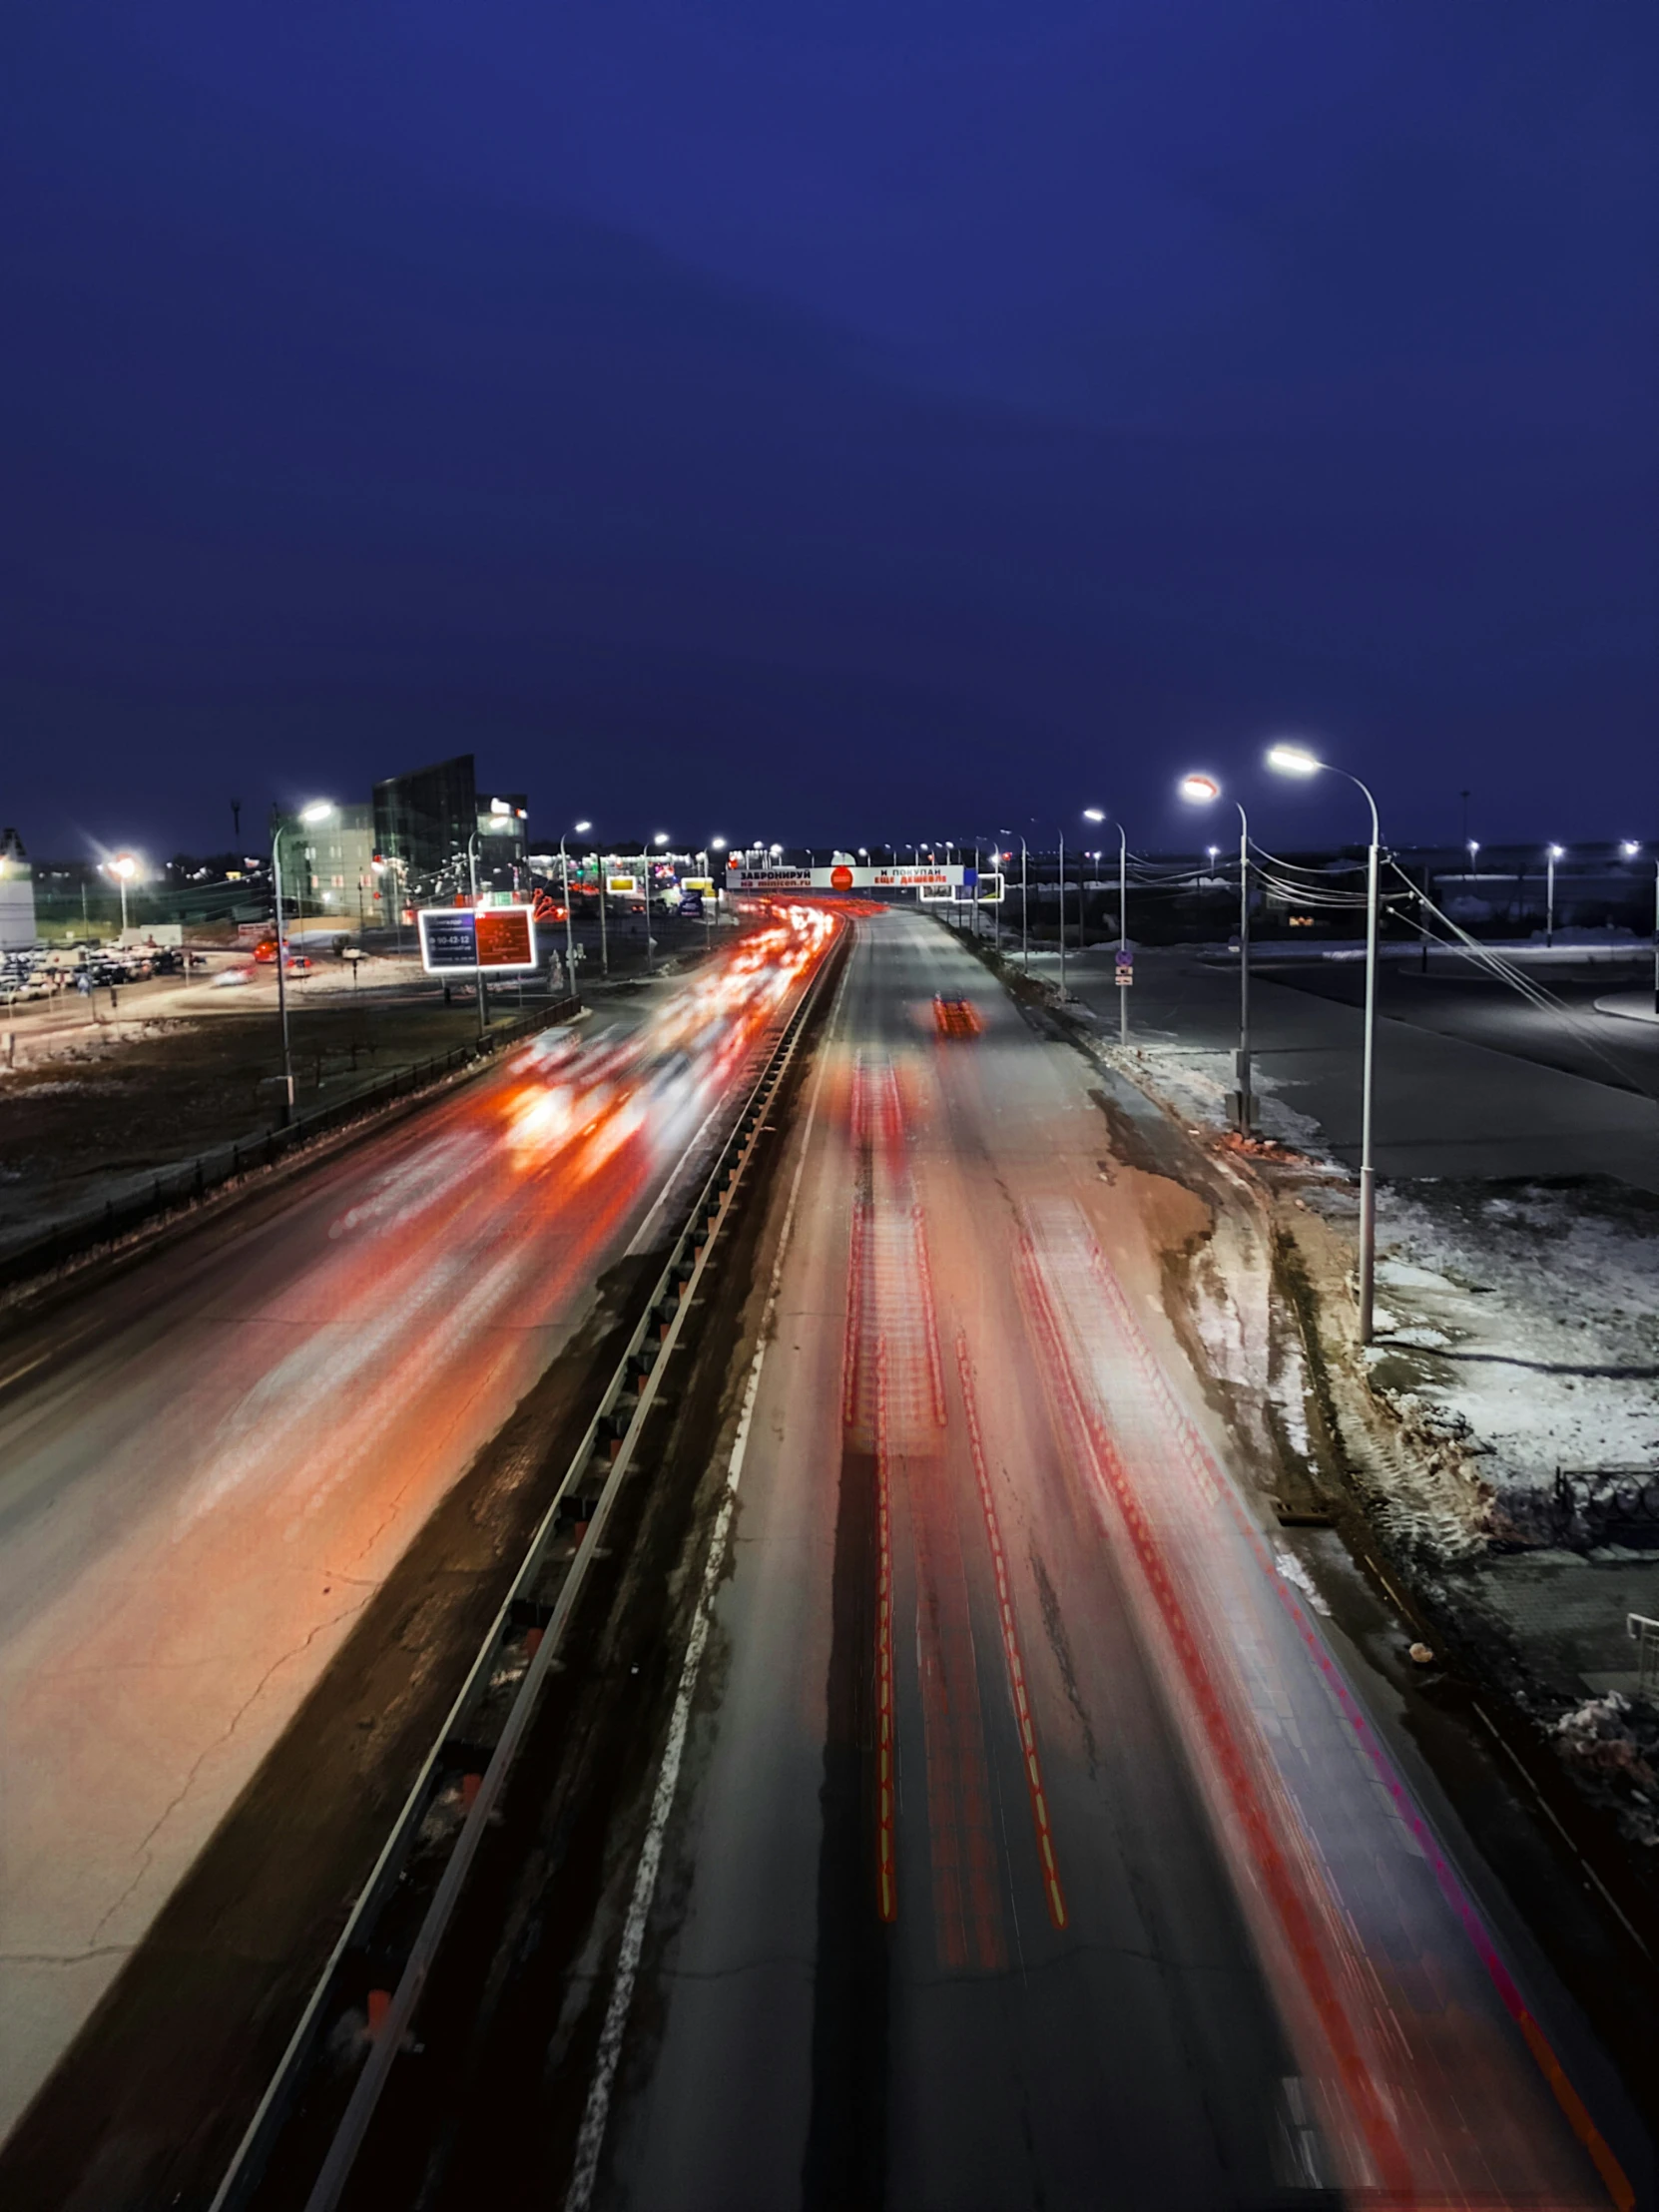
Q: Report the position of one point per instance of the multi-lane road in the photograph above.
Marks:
(1031, 1850)
(1005, 1833)
(210, 1465)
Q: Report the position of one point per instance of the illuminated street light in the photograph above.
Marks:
(1630, 849)
(581, 830)
(1201, 791)
(501, 822)
(1293, 759)
(123, 867)
(1296, 760)
(317, 811)
(1553, 853)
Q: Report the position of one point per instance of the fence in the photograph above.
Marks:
(188, 1181)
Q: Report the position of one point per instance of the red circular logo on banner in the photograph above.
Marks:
(841, 878)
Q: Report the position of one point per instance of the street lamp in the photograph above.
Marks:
(500, 821)
(319, 811)
(1296, 760)
(1630, 849)
(1200, 791)
(1024, 917)
(659, 840)
(123, 867)
(1555, 853)
(581, 830)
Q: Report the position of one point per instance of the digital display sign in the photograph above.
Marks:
(455, 941)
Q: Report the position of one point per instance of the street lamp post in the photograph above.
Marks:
(1090, 814)
(1062, 917)
(503, 821)
(1024, 914)
(1296, 760)
(319, 811)
(1200, 790)
(1556, 852)
(582, 829)
(660, 839)
(477, 969)
(123, 867)
(1630, 849)
(1123, 933)
(716, 845)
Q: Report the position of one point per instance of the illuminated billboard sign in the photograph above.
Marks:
(622, 886)
(933, 881)
(455, 941)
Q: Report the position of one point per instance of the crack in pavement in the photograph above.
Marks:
(144, 1850)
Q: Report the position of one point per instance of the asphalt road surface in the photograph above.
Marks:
(208, 1466)
(1028, 1848)
(1470, 1080)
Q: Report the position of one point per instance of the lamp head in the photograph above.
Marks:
(1094, 813)
(661, 837)
(1630, 849)
(1293, 759)
(1557, 852)
(1199, 789)
(582, 829)
(124, 866)
(717, 845)
(319, 811)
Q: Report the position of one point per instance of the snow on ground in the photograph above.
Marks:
(1525, 1322)
(1199, 1083)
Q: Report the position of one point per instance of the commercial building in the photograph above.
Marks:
(329, 872)
(423, 819)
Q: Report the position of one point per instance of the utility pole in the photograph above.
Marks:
(1062, 917)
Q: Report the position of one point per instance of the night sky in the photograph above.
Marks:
(850, 422)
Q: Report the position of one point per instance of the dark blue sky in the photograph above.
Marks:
(853, 421)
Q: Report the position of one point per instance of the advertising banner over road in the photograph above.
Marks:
(454, 940)
(931, 881)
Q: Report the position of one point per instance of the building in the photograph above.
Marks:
(17, 892)
(330, 871)
(424, 818)
(424, 822)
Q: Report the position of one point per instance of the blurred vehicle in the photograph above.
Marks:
(955, 1016)
(228, 979)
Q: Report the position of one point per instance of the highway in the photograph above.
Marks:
(1027, 1846)
(211, 1461)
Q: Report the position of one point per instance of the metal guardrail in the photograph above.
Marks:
(188, 1181)
(1644, 1634)
(466, 1769)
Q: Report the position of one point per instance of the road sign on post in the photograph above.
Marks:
(1125, 970)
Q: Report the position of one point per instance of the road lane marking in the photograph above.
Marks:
(1198, 1458)
(1054, 1894)
(886, 1878)
(1296, 1923)
(590, 2139)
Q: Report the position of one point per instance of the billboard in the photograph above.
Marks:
(456, 940)
(622, 886)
